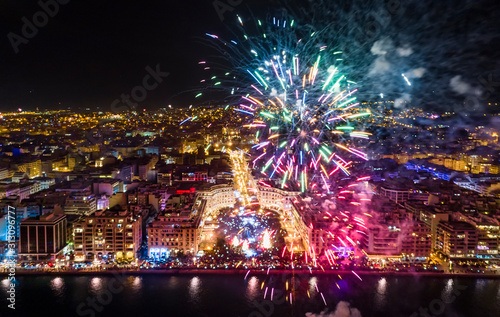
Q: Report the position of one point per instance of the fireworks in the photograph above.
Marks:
(308, 127)
(297, 102)
(308, 130)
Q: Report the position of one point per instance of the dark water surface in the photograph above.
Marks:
(231, 295)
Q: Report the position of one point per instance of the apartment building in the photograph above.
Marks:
(173, 233)
(457, 239)
(80, 203)
(107, 235)
(417, 241)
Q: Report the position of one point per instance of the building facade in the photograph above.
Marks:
(42, 237)
(457, 239)
(173, 233)
(107, 235)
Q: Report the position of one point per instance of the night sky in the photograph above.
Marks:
(92, 51)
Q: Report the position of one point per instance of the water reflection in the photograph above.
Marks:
(380, 296)
(136, 283)
(479, 290)
(480, 284)
(447, 293)
(222, 296)
(96, 284)
(173, 282)
(57, 286)
(253, 288)
(5, 284)
(57, 283)
(194, 289)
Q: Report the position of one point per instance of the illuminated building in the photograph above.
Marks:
(107, 235)
(80, 204)
(384, 240)
(320, 239)
(417, 241)
(22, 190)
(32, 167)
(400, 195)
(432, 219)
(4, 173)
(282, 202)
(108, 186)
(457, 239)
(195, 176)
(173, 233)
(42, 237)
(216, 198)
(26, 209)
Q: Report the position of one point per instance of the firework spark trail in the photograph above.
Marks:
(323, 299)
(357, 276)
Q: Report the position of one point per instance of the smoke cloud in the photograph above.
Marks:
(461, 87)
(402, 101)
(416, 73)
(380, 66)
(343, 309)
(382, 47)
(404, 51)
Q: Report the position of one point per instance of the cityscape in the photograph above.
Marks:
(285, 180)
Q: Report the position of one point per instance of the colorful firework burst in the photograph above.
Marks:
(301, 108)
